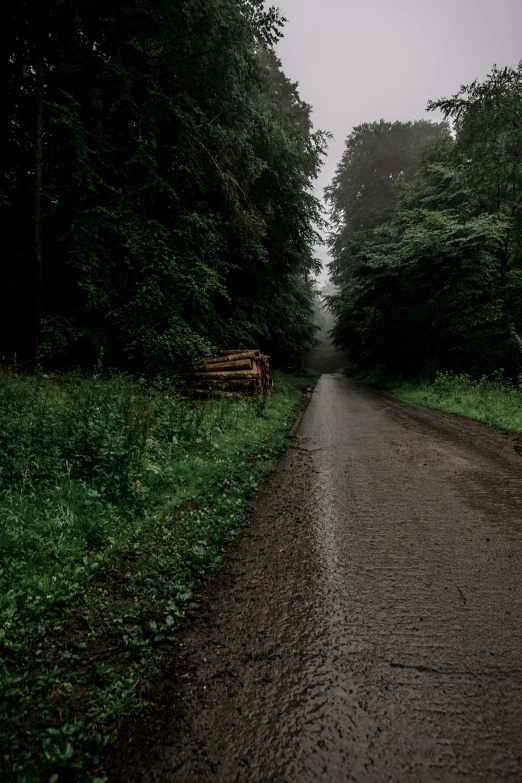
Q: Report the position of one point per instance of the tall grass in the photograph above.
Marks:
(494, 400)
(85, 461)
(117, 498)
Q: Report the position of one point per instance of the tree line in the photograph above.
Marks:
(426, 244)
(156, 171)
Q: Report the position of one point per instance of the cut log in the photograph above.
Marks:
(252, 352)
(231, 356)
(236, 383)
(243, 364)
(235, 375)
(181, 365)
(232, 371)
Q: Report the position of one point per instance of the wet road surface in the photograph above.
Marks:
(367, 625)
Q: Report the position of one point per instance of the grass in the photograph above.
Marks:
(117, 500)
(495, 401)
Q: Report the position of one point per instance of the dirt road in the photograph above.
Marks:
(367, 626)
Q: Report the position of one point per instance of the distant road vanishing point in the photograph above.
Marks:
(367, 624)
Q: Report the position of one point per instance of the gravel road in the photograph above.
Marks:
(367, 624)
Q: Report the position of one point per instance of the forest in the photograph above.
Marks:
(156, 201)
(157, 206)
(426, 245)
(156, 180)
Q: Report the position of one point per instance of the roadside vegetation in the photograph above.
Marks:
(496, 401)
(117, 498)
(156, 199)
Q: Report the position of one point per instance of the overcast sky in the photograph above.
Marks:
(362, 61)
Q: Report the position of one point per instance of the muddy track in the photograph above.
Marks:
(367, 624)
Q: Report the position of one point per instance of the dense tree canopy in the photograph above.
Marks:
(156, 172)
(436, 282)
(378, 156)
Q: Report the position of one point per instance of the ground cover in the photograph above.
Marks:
(495, 401)
(117, 499)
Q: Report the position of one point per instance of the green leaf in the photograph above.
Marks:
(27, 773)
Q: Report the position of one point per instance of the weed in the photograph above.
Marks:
(116, 501)
(494, 400)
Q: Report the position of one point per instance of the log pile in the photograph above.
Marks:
(230, 372)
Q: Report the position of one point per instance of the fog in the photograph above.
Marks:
(325, 357)
(362, 61)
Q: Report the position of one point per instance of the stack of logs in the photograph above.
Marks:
(230, 372)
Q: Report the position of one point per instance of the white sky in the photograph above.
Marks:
(362, 61)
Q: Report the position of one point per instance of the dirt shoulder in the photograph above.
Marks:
(228, 644)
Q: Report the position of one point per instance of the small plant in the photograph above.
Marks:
(495, 400)
(116, 500)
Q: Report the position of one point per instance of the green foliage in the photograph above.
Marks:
(414, 291)
(435, 283)
(495, 401)
(377, 157)
(179, 162)
(116, 499)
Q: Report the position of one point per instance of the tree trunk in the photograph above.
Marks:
(514, 342)
(38, 156)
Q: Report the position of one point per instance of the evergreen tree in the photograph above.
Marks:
(434, 281)
(171, 190)
(377, 156)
